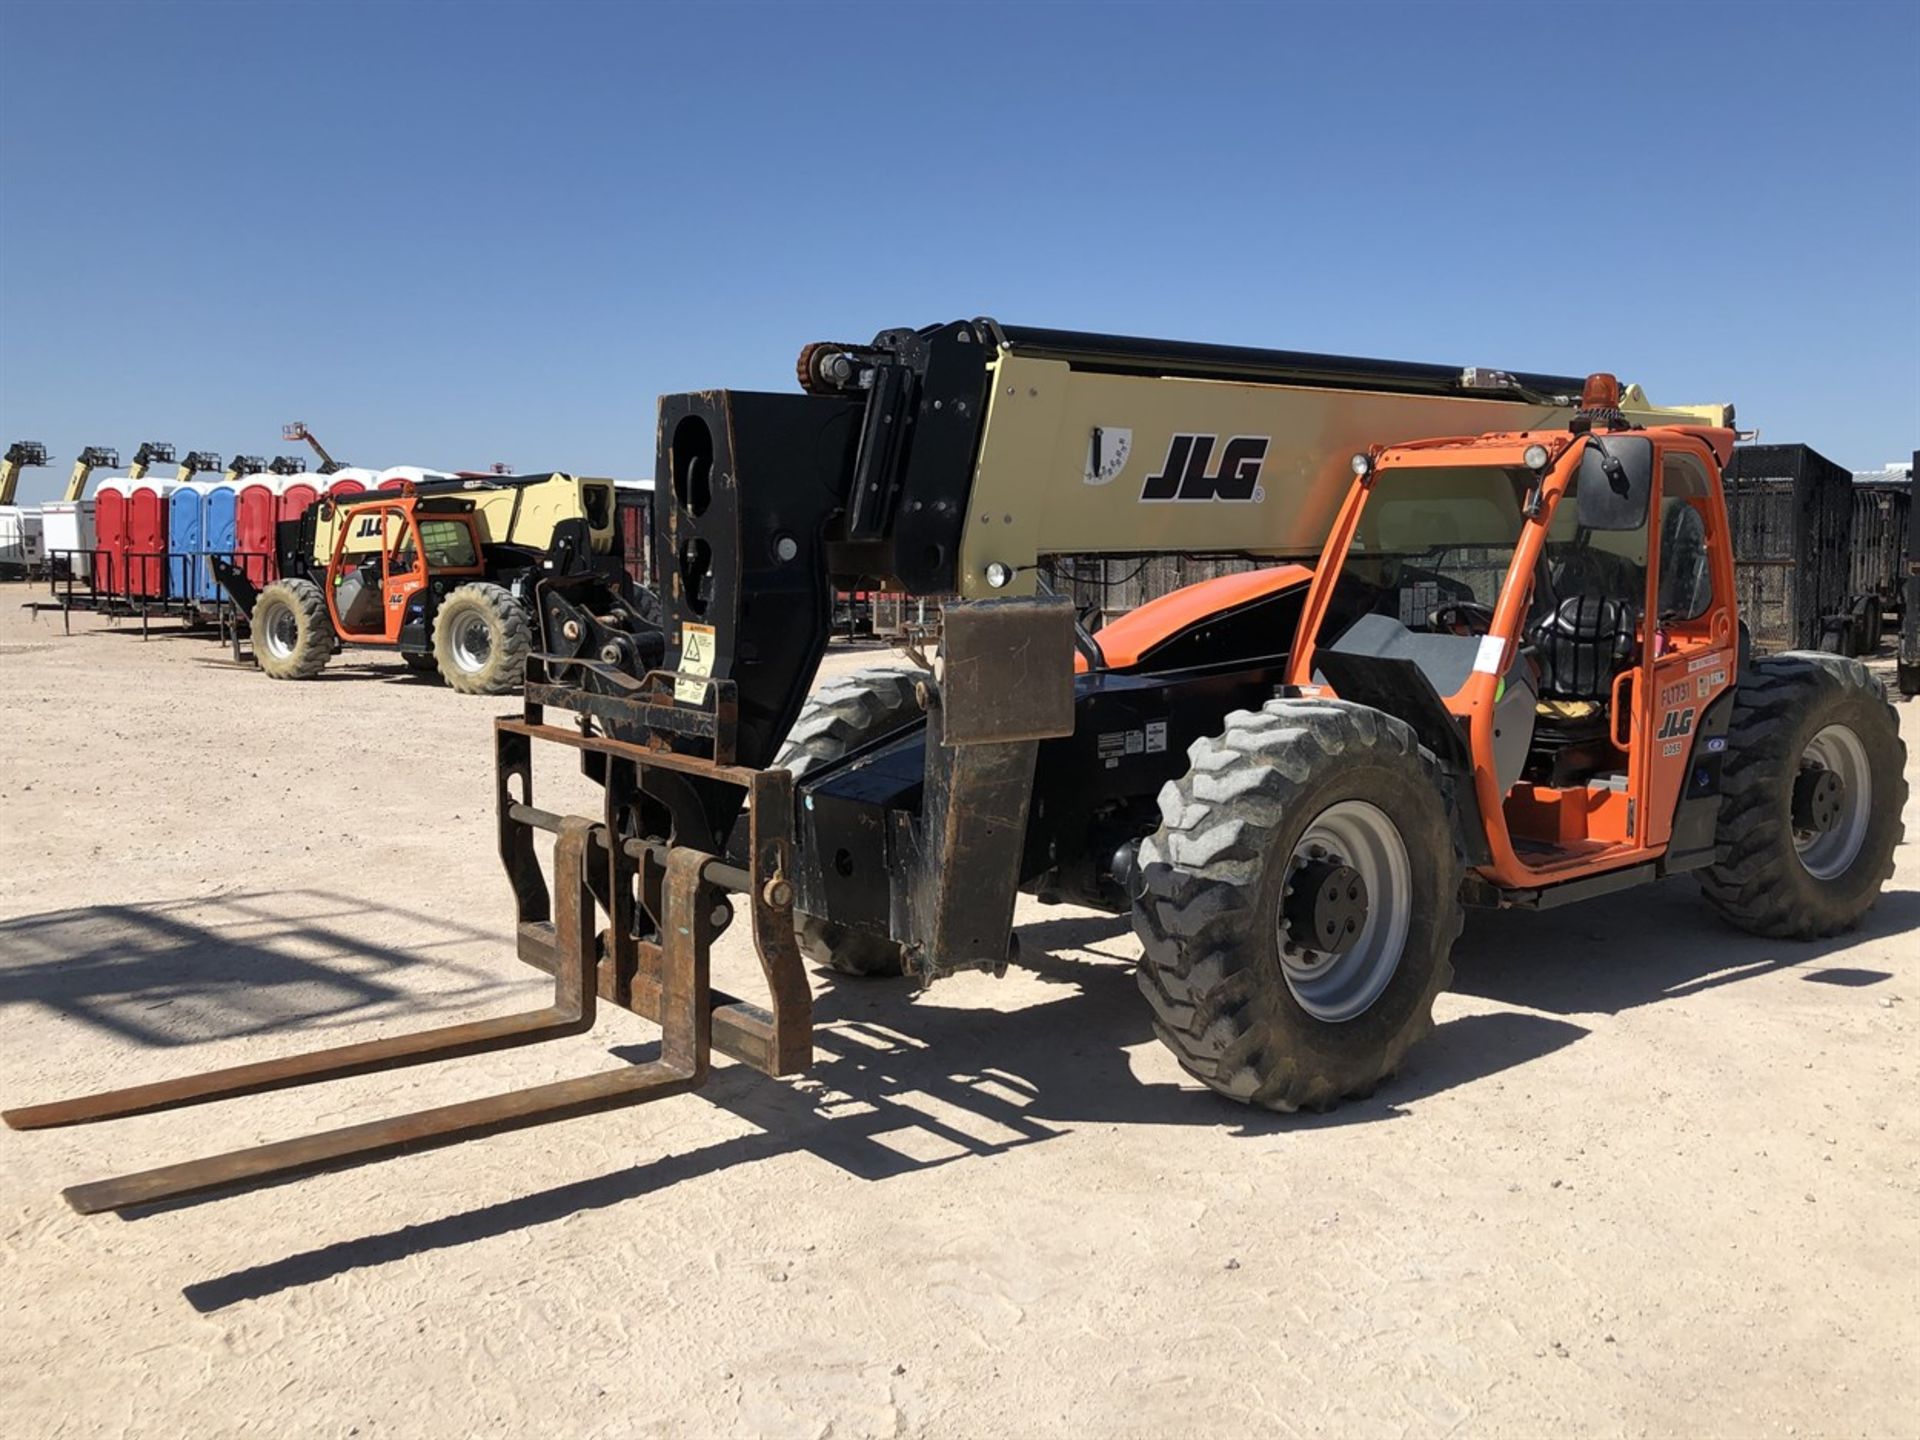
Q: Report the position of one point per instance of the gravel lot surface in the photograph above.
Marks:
(1648, 1177)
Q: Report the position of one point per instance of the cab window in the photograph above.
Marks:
(1686, 575)
(448, 543)
(1611, 564)
(1431, 536)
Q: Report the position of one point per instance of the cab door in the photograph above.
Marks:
(406, 568)
(1692, 644)
(357, 575)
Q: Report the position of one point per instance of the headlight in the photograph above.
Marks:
(1536, 457)
(1362, 464)
(999, 575)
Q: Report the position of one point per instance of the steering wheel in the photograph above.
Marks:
(1461, 617)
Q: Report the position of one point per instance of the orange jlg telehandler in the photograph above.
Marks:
(1514, 676)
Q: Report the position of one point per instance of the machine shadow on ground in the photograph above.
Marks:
(180, 973)
(902, 1082)
(1659, 942)
(902, 1085)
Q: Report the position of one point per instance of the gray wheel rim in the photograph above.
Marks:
(472, 643)
(1826, 855)
(281, 633)
(1341, 987)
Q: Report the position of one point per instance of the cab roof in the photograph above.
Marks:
(1508, 447)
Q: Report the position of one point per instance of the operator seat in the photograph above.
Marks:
(1580, 644)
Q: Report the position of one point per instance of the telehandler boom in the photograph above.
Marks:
(21, 455)
(94, 457)
(295, 430)
(1514, 676)
(150, 453)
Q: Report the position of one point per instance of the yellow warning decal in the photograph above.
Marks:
(696, 658)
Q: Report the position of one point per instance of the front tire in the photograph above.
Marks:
(481, 639)
(292, 634)
(1273, 978)
(1811, 795)
(839, 718)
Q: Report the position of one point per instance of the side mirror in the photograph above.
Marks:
(1614, 482)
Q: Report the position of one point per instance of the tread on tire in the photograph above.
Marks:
(1213, 874)
(1758, 882)
(510, 639)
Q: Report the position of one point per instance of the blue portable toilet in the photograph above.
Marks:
(186, 527)
(219, 533)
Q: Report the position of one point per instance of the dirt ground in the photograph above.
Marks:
(1648, 1177)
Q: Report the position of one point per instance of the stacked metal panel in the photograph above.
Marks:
(1791, 510)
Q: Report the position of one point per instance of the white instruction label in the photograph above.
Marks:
(696, 658)
(1156, 736)
(1490, 658)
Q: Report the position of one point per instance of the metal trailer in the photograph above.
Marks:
(1909, 671)
(1792, 517)
(1882, 517)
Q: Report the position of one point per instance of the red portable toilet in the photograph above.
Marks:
(350, 480)
(148, 537)
(393, 475)
(300, 491)
(110, 536)
(256, 511)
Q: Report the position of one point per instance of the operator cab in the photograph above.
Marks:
(389, 553)
(1576, 570)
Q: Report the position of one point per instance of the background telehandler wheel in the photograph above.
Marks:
(1298, 904)
(840, 717)
(292, 636)
(421, 664)
(480, 640)
(1811, 795)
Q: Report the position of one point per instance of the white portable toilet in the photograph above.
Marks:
(69, 535)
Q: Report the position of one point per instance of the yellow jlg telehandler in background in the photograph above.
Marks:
(21, 455)
(1514, 676)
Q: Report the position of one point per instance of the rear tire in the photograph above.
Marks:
(292, 634)
(481, 638)
(1794, 715)
(839, 718)
(1247, 836)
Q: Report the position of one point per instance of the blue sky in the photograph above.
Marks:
(451, 234)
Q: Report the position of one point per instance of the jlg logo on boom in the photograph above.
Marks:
(1183, 474)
